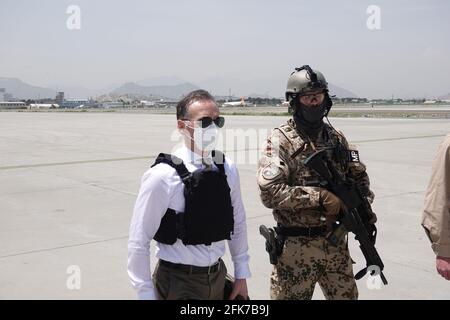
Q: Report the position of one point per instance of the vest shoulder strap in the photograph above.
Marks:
(335, 135)
(175, 163)
(294, 138)
(219, 160)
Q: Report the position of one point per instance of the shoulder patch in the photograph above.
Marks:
(271, 171)
(353, 156)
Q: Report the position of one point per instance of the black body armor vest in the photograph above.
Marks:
(208, 215)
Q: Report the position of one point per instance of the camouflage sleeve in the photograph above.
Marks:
(358, 172)
(273, 179)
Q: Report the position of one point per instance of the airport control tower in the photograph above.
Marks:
(59, 98)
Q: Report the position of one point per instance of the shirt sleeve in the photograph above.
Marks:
(151, 205)
(436, 213)
(238, 244)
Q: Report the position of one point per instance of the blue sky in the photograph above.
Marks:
(247, 46)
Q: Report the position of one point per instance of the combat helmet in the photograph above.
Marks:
(304, 79)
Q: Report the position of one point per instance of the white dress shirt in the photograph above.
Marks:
(161, 189)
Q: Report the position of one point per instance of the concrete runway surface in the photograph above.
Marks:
(69, 182)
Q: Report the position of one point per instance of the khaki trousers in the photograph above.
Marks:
(173, 284)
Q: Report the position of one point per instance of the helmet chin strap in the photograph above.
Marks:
(329, 103)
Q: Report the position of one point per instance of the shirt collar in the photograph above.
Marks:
(185, 154)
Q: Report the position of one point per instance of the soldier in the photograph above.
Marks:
(305, 211)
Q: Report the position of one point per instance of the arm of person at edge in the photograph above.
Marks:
(436, 213)
(238, 244)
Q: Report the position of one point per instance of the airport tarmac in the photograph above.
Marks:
(69, 182)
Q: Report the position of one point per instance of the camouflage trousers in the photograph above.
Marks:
(306, 261)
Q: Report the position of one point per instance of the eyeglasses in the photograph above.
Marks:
(206, 121)
(307, 98)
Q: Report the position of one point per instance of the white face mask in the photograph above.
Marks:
(205, 139)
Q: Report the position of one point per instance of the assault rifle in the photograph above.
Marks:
(354, 217)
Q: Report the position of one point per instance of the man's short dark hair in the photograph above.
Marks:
(194, 96)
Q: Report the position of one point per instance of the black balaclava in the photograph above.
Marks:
(309, 119)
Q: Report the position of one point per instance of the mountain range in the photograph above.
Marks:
(168, 87)
(167, 91)
(445, 97)
(22, 90)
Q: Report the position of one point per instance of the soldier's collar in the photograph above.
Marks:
(302, 133)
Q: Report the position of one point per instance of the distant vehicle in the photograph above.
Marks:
(12, 105)
(145, 103)
(241, 103)
(43, 106)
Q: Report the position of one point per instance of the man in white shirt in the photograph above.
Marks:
(189, 265)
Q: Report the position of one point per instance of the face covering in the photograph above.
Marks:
(313, 115)
(309, 119)
(205, 139)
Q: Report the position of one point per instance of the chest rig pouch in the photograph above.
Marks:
(208, 214)
(300, 152)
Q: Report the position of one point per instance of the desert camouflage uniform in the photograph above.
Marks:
(292, 191)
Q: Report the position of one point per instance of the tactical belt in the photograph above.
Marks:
(191, 269)
(310, 232)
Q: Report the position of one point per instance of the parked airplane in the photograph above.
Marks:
(241, 103)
